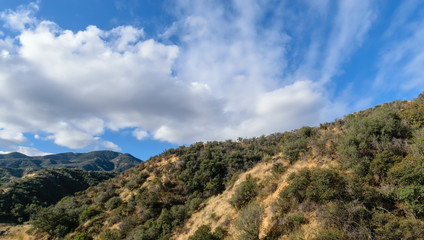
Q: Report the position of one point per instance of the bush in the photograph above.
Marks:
(113, 203)
(285, 225)
(204, 233)
(89, 213)
(82, 236)
(330, 234)
(381, 164)
(408, 177)
(390, 227)
(352, 219)
(111, 234)
(244, 193)
(369, 133)
(55, 222)
(319, 185)
(414, 114)
(249, 221)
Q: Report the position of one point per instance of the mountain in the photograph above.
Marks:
(17, 164)
(360, 177)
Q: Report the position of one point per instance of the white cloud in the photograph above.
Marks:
(229, 76)
(12, 136)
(140, 134)
(30, 151)
(21, 18)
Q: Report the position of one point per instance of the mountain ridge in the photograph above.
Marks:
(92, 161)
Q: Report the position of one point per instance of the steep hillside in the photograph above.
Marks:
(361, 177)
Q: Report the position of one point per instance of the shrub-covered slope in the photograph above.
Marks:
(22, 197)
(361, 177)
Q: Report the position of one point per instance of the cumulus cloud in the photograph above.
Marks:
(140, 134)
(228, 77)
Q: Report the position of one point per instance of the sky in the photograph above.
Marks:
(142, 76)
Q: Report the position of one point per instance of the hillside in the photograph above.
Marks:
(29, 183)
(360, 177)
(22, 197)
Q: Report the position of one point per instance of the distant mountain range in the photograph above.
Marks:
(18, 164)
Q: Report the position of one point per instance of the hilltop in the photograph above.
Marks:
(360, 177)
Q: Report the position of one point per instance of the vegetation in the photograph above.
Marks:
(24, 197)
(360, 177)
(249, 222)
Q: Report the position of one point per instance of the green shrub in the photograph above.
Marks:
(249, 221)
(113, 203)
(89, 213)
(381, 164)
(319, 185)
(111, 234)
(352, 218)
(54, 221)
(408, 177)
(372, 132)
(285, 225)
(414, 114)
(330, 234)
(204, 233)
(390, 227)
(278, 169)
(82, 236)
(245, 192)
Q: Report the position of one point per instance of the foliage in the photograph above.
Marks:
(113, 203)
(26, 196)
(390, 227)
(55, 221)
(82, 236)
(414, 112)
(204, 233)
(249, 221)
(285, 225)
(371, 132)
(244, 193)
(318, 185)
(408, 177)
(109, 234)
(296, 143)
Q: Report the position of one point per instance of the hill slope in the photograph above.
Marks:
(360, 177)
(22, 197)
(29, 183)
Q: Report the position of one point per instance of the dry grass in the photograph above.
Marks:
(217, 211)
(18, 232)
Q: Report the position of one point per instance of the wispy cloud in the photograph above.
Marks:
(401, 63)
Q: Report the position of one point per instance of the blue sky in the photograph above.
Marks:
(143, 76)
